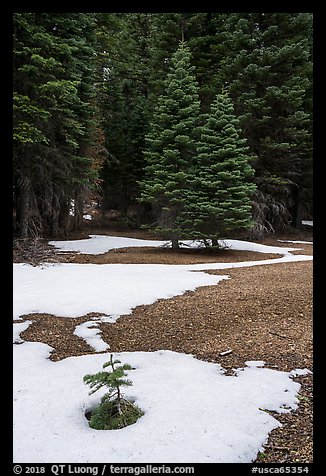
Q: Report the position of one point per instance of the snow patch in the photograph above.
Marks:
(17, 329)
(255, 363)
(300, 372)
(99, 244)
(180, 395)
(194, 413)
(296, 241)
(91, 334)
(73, 290)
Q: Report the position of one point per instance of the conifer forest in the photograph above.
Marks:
(193, 125)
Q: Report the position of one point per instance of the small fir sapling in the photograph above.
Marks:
(114, 410)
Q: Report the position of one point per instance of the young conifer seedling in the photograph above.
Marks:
(114, 410)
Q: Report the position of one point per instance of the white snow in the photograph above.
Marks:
(287, 258)
(296, 241)
(255, 363)
(99, 244)
(91, 334)
(19, 327)
(241, 245)
(73, 290)
(308, 222)
(193, 412)
(299, 372)
(88, 217)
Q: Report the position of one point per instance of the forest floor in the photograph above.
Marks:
(261, 313)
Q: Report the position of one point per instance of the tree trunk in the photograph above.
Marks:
(175, 244)
(215, 242)
(54, 225)
(139, 215)
(64, 216)
(297, 209)
(79, 207)
(54, 229)
(24, 207)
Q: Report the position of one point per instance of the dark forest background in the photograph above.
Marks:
(92, 93)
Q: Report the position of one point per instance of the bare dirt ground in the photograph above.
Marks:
(260, 313)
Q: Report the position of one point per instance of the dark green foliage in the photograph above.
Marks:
(265, 60)
(219, 199)
(107, 417)
(269, 67)
(168, 30)
(198, 179)
(53, 111)
(114, 411)
(113, 379)
(89, 85)
(205, 33)
(124, 91)
(171, 146)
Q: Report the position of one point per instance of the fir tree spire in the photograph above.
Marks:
(171, 147)
(219, 199)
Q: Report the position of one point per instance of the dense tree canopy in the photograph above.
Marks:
(53, 112)
(98, 105)
(269, 67)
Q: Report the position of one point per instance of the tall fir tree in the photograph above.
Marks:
(219, 202)
(171, 148)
